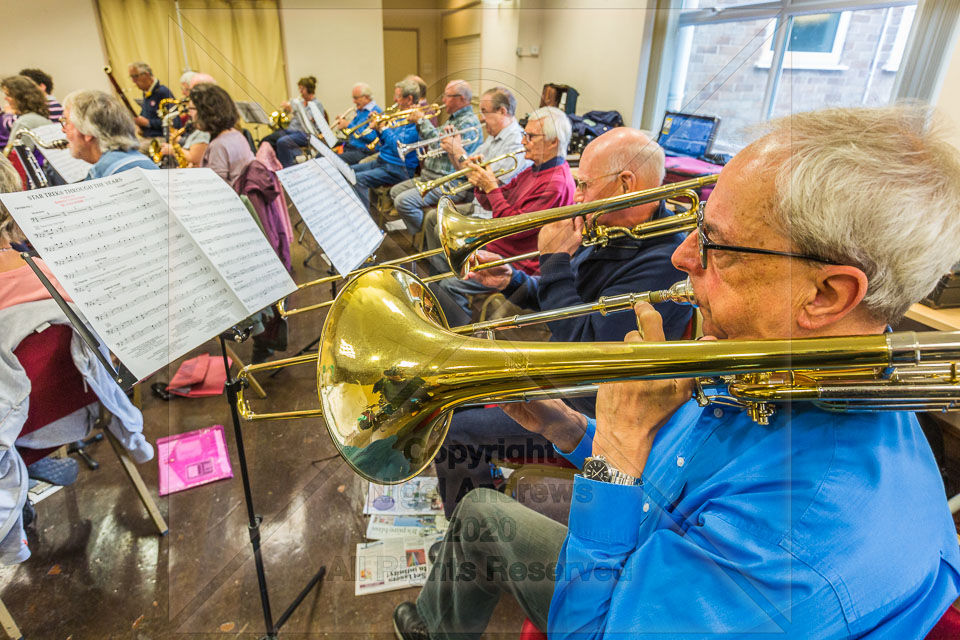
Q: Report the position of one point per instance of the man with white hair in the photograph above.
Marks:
(100, 130)
(620, 161)
(456, 102)
(355, 148)
(695, 521)
(544, 185)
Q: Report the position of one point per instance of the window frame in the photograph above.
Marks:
(821, 61)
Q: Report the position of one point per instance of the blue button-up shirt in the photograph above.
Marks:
(817, 525)
(118, 161)
(363, 114)
(390, 137)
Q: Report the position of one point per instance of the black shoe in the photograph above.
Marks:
(407, 623)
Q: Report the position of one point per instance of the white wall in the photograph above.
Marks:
(424, 16)
(949, 100)
(340, 46)
(62, 37)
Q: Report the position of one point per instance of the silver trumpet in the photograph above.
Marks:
(431, 148)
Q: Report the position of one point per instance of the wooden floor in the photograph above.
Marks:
(99, 570)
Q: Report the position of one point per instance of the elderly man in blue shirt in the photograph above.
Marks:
(456, 102)
(695, 521)
(389, 168)
(100, 130)
(356, 147)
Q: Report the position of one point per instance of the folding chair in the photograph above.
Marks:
(57, 390)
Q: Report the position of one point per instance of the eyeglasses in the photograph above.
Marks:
(704, 245)
(583, 185)
(63, 122)
(530, 136)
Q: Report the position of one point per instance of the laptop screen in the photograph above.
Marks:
(687, 134)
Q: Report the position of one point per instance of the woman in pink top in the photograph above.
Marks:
(228, 153)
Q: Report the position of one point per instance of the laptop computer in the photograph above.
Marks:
(685, 134)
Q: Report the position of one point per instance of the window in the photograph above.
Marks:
(748, 62)
(815, 42)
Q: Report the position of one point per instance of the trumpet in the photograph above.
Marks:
(424, 150)
(387, 389)
(425, 187)
(343, 116)
(460, 236)
(364, 126)
(400, 118)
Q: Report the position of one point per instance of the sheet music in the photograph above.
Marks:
(333, 213)
(334, 159)
(222, 227)
(70, 169)
(130, 266)
(328, 135)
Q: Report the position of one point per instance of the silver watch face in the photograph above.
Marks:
(596, 469)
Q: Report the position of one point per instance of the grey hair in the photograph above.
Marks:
(365, 89)
(556, 126)
(141, 67)
(462, 87)
(187, 76)
(501, 97)
(9, 182)
(98, 114)
(876, 188)
(409, 89)
(640, 158)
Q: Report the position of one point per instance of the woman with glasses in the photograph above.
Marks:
(100, 130)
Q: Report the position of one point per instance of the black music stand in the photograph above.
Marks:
(125, 379)
(232, 386)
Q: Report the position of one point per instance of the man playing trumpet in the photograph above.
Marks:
(546, 184)
(355, 147)
(695, 521)
(456, 102)
(504, 135)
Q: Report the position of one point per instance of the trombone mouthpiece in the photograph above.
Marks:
(680, 293)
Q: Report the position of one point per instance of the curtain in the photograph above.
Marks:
(237, 42)
(934, 34)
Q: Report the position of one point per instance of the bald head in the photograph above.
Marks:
(620, 161)
(198, 78)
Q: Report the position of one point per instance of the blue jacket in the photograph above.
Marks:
(623, 266)
(149, 110)
(356, 140)
(389, 138)
(818, 525)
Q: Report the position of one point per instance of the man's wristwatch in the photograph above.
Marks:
(597, 468)
(462, 159)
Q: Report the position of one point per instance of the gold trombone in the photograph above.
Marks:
(460, 236)
(387, 388)
(426, 186)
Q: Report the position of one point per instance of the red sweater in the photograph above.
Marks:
(534, 189)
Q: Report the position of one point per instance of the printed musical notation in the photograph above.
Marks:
(125, 249)
(333, 212)
(334, 159)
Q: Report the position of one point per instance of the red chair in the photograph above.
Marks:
(57, 390)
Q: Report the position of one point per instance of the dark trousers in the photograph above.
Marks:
(352, 155)
(477, 435)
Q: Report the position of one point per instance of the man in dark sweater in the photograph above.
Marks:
(620, 161)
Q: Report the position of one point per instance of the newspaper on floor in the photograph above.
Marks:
(381, 527)
(415, 497)
(395, 563)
